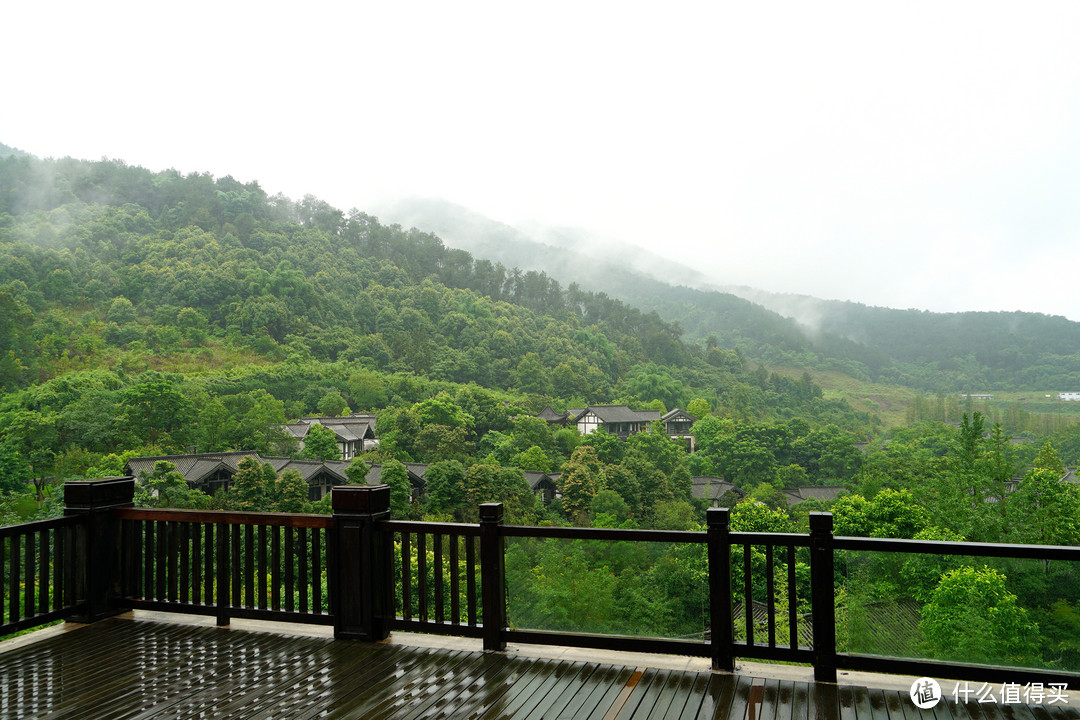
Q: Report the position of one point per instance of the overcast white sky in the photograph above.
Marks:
(909, 154)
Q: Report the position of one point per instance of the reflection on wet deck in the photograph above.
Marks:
(123, 668)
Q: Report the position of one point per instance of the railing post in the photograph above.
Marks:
(361, 582)
(493, 575)
(719, 558)
(822, 596)
(96, 559)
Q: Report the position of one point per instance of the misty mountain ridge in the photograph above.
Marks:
(920, 348)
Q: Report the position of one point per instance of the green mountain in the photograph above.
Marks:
(947, 352)
(156, 309)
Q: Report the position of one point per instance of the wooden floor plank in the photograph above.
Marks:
(876, 698)
(602, 701)
(138, 670)
(561, 695)
(694, 697)
(594, 689)
(672, 700)
(739, 699)
(643, 696)
(800, 701)
(770, 700)
(824, 702)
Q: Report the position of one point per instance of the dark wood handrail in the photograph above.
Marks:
(38, 525)
(226, 517)
(578, 533)
(949, 547)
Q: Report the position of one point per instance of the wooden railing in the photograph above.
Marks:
(367, 575)
(226, 564)
(38, 562)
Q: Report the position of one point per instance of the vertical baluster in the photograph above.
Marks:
(236, 563)
(196, 563)
(769, 583)
(15, 570)
(46, 570)
(185, 562)
(58, 567)
(209, 596)
(174, 558)
(421, 575)
(290, 578)
(437, 540)
(262, 567)
(249, 566)
(148, 560)
(406, 577)
(470, 579)
(161, 555)
(302, 572)
(793, 617)
(127, 558)
(69, 565)
(275, 568)
(748, 595)
(173, 565)
(29, 570)
(316, 570)
(455, 583)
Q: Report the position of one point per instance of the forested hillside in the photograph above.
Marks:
(934, 352)
(155, 311)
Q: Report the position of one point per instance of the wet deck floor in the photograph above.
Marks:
(124, 668)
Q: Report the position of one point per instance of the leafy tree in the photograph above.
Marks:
(254, 486)
(332, 404)
(582, 477)
(15, 472)
(530, 375)
(1049, 460)
(675, 515)
(436, 441)
(532, 459)
(753, 516)
(165, 487)
(396, 476)
(972, 617)
(609, 502)
(445, 485)
(156, 410)
(1045, 510)
(357, 471)
(292, 492)
(699, 408)
(320, 443)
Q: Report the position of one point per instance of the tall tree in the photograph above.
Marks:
(320, 443)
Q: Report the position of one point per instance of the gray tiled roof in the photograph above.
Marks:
(198, 467)
(824, 493)
(621, 414)
(712, 488)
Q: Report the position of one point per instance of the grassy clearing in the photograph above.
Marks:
(888, 402)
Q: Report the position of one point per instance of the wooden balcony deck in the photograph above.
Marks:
(139, 669)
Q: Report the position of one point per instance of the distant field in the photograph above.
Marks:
(891, 402)
(888, 402)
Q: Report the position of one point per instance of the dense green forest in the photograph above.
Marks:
(932, 352)
(151, 313)
(154, 311)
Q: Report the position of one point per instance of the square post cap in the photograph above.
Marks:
(360, 499)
